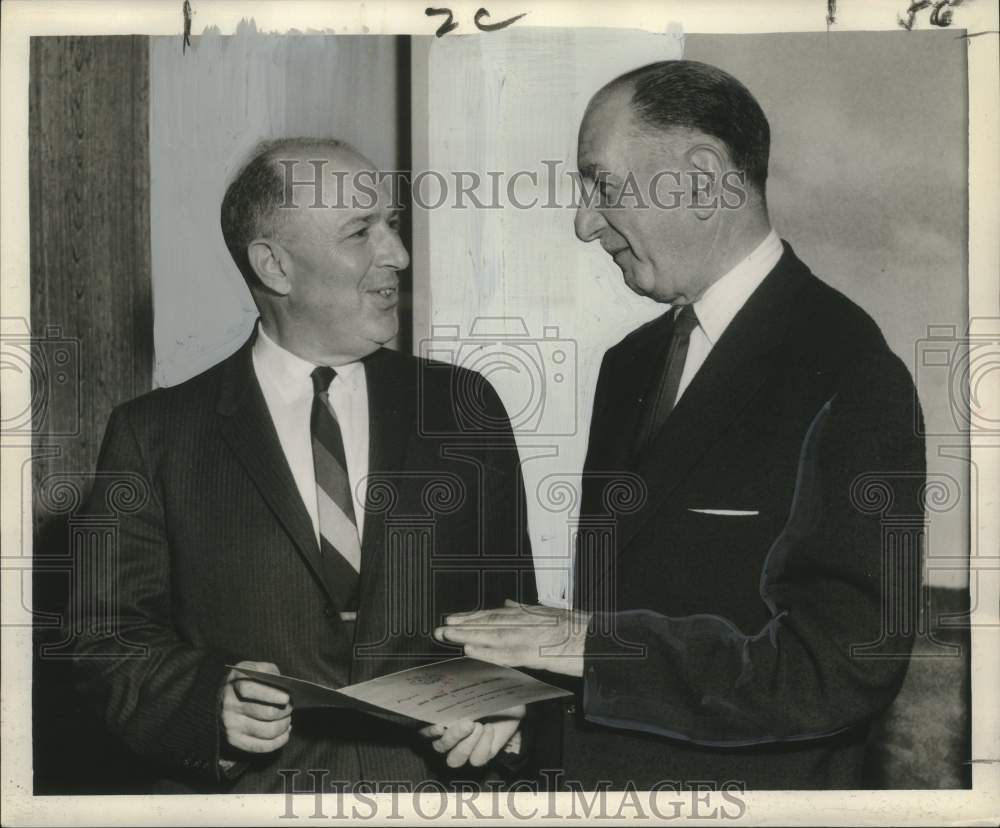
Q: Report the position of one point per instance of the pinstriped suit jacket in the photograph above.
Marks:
(215, 561)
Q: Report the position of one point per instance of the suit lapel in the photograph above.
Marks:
(247, 427)
(392, 417)
(736, 368)
(629, 380)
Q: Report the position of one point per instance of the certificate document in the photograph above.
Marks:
(439, 693)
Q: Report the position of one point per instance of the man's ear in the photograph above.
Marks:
(707, 164)
(271, 262)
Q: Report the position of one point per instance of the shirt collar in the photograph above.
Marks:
(289, 373)
(724, 298)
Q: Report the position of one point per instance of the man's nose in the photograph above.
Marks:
(391, 252)
(588, 223)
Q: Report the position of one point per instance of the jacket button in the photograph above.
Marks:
(331, 611)
(571, 709)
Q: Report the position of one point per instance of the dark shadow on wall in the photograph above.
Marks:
(73, 752)
(404, 163)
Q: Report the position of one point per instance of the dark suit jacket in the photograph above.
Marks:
(216, 561)
(721, 645)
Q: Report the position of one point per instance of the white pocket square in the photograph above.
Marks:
(727, 512)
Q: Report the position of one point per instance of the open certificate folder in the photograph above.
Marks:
(439, 693)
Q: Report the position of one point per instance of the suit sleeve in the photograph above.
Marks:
(804, 674)
(508, 545)
(158, 692)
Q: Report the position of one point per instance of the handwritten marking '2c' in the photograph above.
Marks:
(450, 23)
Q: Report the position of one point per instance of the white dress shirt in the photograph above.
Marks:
(286, 382)
(723, 300)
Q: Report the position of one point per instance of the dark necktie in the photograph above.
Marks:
(664, 392)
(340, 544)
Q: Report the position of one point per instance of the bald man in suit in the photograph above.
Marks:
(723, 628)
(313, 505)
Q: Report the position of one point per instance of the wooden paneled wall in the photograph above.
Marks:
(91, 305)
(91, 321)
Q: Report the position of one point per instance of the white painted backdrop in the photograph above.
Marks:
(208, 108)
(508, 102)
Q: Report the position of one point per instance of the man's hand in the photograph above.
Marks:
(256, 717)
(475, 742)
(517, 635)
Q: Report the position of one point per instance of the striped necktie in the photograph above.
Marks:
(338, 528)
